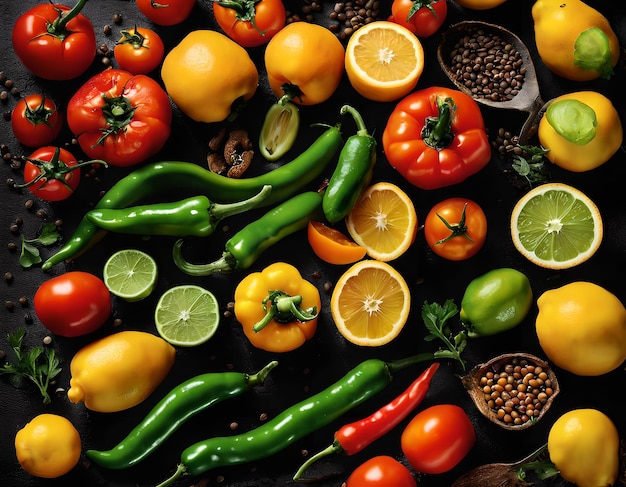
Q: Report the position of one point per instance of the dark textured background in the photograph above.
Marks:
(328, 356)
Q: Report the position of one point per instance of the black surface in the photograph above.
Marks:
(328, 356)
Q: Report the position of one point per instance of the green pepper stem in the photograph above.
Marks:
(334, 447)
(400, 364)
(259, 377)
(224, 210)
(226, 263)
(358, 119)
(181, 469)
(284, 309)
(437, 131)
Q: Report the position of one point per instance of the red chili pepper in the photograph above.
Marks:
(354, 437)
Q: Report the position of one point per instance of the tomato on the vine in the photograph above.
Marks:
(455, 228)
(73, 304)
(250, 23)
(381, 471)
(438, 438)
(36, 121)
(52, 173)
(166, 12)
(422, 17)
(54, 41)
(139, 51)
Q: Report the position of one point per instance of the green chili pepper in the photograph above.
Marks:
(165, 176)
(353, 172)
(180, 404)
(197, 216)
(294, 423)
(243, 248)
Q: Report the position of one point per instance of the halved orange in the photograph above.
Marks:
(332, 246)
(384, 60)
(370, 303)
(384, 221)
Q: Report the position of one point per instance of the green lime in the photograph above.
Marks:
(187, 315)
(130, 274)
(556, 226)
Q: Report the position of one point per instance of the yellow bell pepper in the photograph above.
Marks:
(581, 131)
(479, 4)
(574, 40)
(209, 76)
(119, 371)
(277, 308)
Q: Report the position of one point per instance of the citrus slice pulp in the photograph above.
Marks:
(556, 226)
(130, 274)
(187, 315)
(370, 303)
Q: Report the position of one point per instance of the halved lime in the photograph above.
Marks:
(130, 274)
(187, 315)
(556, 226)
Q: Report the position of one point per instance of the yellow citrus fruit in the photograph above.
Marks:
(556, 226)
(581, 327)
(48, 446)
(384, 60)
(370, 303)
(384, 221)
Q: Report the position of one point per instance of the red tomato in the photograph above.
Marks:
(121, 118)
(55, 42)
(381, 471)
(73, 304)
(422, 17)
(250, 24)
(36, 121)
(166, 12)
(51, 173)
(438, 438)
(139, 51)
(455, 228)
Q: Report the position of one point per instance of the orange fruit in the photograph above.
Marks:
(370, 303)
(332, 246)
(384, 60)
(384, 221)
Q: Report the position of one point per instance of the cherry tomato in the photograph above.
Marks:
(332, 246)
(381, 471)
(455, 228)
(73, 304)
(422, 17)
(139, 51)
(438, 438)
(36, 121)
(250, 24)
(166, 12)
(55, 42)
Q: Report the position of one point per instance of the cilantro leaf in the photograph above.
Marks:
(29, 255)
(436, 317)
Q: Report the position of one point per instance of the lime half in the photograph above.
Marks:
(130, 274)
(187, 315)
(556, 226)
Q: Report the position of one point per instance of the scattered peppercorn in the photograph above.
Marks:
(12, 246)
(107, 30)
(28, 319)
(117, 18)
(47, 340)
(8, 277)
(9, 305)
(23, 301)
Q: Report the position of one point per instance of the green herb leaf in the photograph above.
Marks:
(30, 255)
(436, 318)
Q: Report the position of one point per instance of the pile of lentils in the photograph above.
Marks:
(517, 392)
(345, 17)
(488, 65)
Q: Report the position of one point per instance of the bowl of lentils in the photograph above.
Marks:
(512, 390)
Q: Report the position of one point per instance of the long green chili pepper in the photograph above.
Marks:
(294, 423)
(181, 403)
(353, 172)
(163, 177)
(243, 248)
(197, 216)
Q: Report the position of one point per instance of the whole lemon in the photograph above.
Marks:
(582, 328)
(48, 446)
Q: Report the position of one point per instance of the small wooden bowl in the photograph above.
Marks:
(476, 389)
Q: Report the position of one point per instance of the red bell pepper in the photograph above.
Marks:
(120, 117)
(354, 437)
(436, 137)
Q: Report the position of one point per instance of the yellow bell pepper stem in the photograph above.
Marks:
(284, 308)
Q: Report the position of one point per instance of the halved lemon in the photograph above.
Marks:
(370, 303)
(384, 221)
(556, 226)
(384, 60)
(332, 246)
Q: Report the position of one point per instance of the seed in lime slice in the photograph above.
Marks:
(130, 274)
(187, 315)
(556, 226)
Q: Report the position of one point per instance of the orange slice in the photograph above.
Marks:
(384, 60)
(332, 246)
(370, 303)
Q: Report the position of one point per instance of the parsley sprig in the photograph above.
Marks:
(29, 255)
(436, 318)
(38, 364)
